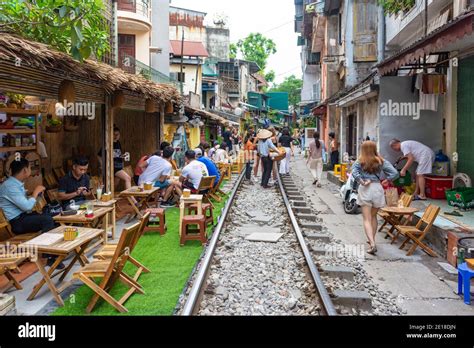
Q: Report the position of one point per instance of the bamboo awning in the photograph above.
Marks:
(16, 50)
(207, 114)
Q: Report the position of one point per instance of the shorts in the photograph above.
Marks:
(372, 195)
(162, 185)
(425, 167)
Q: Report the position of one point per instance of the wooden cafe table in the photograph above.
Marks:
(101, 215)
(141, 196)
(395, 217)
(53, 243)
(109, 204)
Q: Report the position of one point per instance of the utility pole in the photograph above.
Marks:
(182, 62)
(426, 17)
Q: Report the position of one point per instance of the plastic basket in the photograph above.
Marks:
(461, 198)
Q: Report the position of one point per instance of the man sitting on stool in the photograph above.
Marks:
(17, 207)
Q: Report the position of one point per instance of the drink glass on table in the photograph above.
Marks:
(99, 193)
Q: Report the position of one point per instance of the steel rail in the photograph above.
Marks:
(328, 306)
(192, 302)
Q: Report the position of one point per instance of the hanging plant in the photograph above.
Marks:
(395, 6)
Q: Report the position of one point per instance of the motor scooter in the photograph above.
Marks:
(348, 194)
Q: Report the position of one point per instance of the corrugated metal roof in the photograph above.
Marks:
(191, 48)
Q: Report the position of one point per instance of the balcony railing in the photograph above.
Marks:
(133, 66)
(141, 7)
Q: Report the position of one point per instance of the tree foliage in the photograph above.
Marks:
(257, 48)
(233, 51)
(394, 6)
(77, 27)
(293, 86)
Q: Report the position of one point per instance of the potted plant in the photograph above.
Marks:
(54, 125)
(15, 100)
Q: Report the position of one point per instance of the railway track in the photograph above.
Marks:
(237, 276)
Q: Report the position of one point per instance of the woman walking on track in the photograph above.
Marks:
(315, 158)
(371, 171)
(286, 141)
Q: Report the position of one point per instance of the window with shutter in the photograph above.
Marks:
(365, 31)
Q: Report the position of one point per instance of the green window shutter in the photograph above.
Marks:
(465, 117)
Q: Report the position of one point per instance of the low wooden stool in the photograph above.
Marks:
(207, 211)
(189, 234)
(156, 213)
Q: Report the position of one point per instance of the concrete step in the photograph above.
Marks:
(338, 272)
(353, 299)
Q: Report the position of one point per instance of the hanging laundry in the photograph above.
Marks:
(434, 84)
(427, 101)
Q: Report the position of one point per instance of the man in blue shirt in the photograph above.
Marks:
(17, 207)
(211, 167)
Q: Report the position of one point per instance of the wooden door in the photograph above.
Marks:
(365, 31)
(126, 51)
(351, 140)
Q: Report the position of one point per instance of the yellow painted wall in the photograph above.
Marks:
(194, 137)
(168, 132)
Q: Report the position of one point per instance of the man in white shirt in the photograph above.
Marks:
(193, 172)
(221, 155)
(158, 169)
(417, 152)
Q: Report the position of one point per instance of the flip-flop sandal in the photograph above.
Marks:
(454, 213)
(417, 198)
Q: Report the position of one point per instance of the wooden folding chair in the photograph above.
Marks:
(52, 195)
(50, 180)
(59, 173)
(205, 187)
(214, 192)
(40, 204)
(390, 219)
(7, 266)
(110, 271)
(13, 238)
(416, 235)
(107, 252)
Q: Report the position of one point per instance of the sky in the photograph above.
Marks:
(273, 18)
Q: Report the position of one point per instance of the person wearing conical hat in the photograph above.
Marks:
(265, 144)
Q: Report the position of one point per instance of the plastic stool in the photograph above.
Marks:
(206, 211)
(188, 234)
(338, 170)
(464, 282)
(156, 213)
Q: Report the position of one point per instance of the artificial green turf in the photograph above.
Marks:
(170, 265)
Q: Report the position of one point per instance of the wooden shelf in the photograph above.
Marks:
(19, 111)
(20, 148)
(17, 131)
